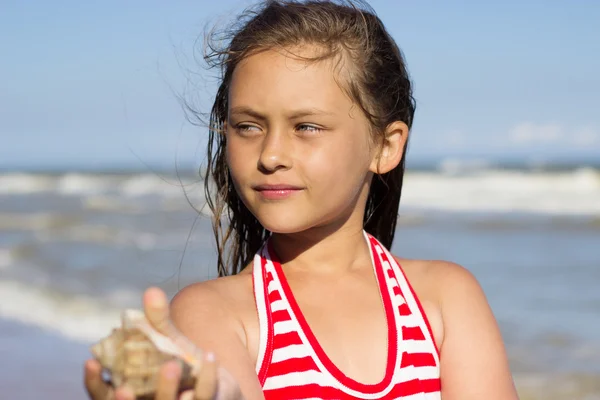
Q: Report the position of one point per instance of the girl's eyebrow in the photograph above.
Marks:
(244, 110)
(307, 113)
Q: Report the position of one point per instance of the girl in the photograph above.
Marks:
(306, 159)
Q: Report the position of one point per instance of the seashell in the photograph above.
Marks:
(133, 354)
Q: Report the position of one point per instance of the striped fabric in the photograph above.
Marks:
(292, 365)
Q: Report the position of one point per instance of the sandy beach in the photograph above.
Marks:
(38, 365)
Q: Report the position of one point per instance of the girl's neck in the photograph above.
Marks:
(323, 251)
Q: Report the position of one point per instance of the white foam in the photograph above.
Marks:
(6, 258)
(18, 183)
(575, 193)
(80, 318)
(143, 185)
(81, 184)
(456, 165)
(458, 187)
(70, 184)
(102, 234)
(84, 185)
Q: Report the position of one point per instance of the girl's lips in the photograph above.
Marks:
(277, 192)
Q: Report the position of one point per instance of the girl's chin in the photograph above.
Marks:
(284, 225)
(285, 228)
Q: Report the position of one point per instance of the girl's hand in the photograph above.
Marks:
(212, 382)
(168, 383)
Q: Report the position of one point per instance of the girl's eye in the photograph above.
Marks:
(246, 129)
(251, 130)
(308, 128)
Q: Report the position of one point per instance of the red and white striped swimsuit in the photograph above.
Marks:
(292, 365)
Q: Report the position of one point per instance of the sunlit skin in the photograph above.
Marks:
(302, 130)
(290, 123)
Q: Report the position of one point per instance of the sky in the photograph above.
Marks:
(96, 84)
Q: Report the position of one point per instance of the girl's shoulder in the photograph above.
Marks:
(439, 281)
(217, 315)
(465, 330)
(444, 289)
(224, 298)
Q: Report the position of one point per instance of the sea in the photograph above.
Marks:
(78, 246)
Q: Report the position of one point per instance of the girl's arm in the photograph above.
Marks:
(203, 315)
(474, 364)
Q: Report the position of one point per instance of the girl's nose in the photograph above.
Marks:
(276, 152)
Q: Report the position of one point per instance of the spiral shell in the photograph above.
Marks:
(133, 354)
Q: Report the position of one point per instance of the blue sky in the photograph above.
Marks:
(91, 83)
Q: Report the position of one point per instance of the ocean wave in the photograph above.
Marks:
(458, 166)
(23, 183)
(37, 221)
(454, 188)
(121, 204)
(6, 258)
(48, 227)
(82, 184)
(112, 203)
(79, 318)
(572, 193)
(74, 184)
(145, 185)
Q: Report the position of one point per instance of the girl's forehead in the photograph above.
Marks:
(287, 73)
(301, 59)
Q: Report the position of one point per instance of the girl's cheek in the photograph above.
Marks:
(232, 158)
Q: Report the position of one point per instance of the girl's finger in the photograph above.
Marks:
(156, 308)
(124, 393)
(206, 381)
(94, 384)
(168, 381)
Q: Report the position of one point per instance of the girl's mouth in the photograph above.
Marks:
(277, 191)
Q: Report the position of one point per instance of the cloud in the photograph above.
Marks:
(586, 137)
(528, 133)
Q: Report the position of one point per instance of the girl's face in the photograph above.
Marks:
(298, 150)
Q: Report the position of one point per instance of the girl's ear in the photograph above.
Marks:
(389, 153)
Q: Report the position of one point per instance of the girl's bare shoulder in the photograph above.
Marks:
(217, 315)
(225, 298)
(465, 330)
(439, 285)
(436, 279)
